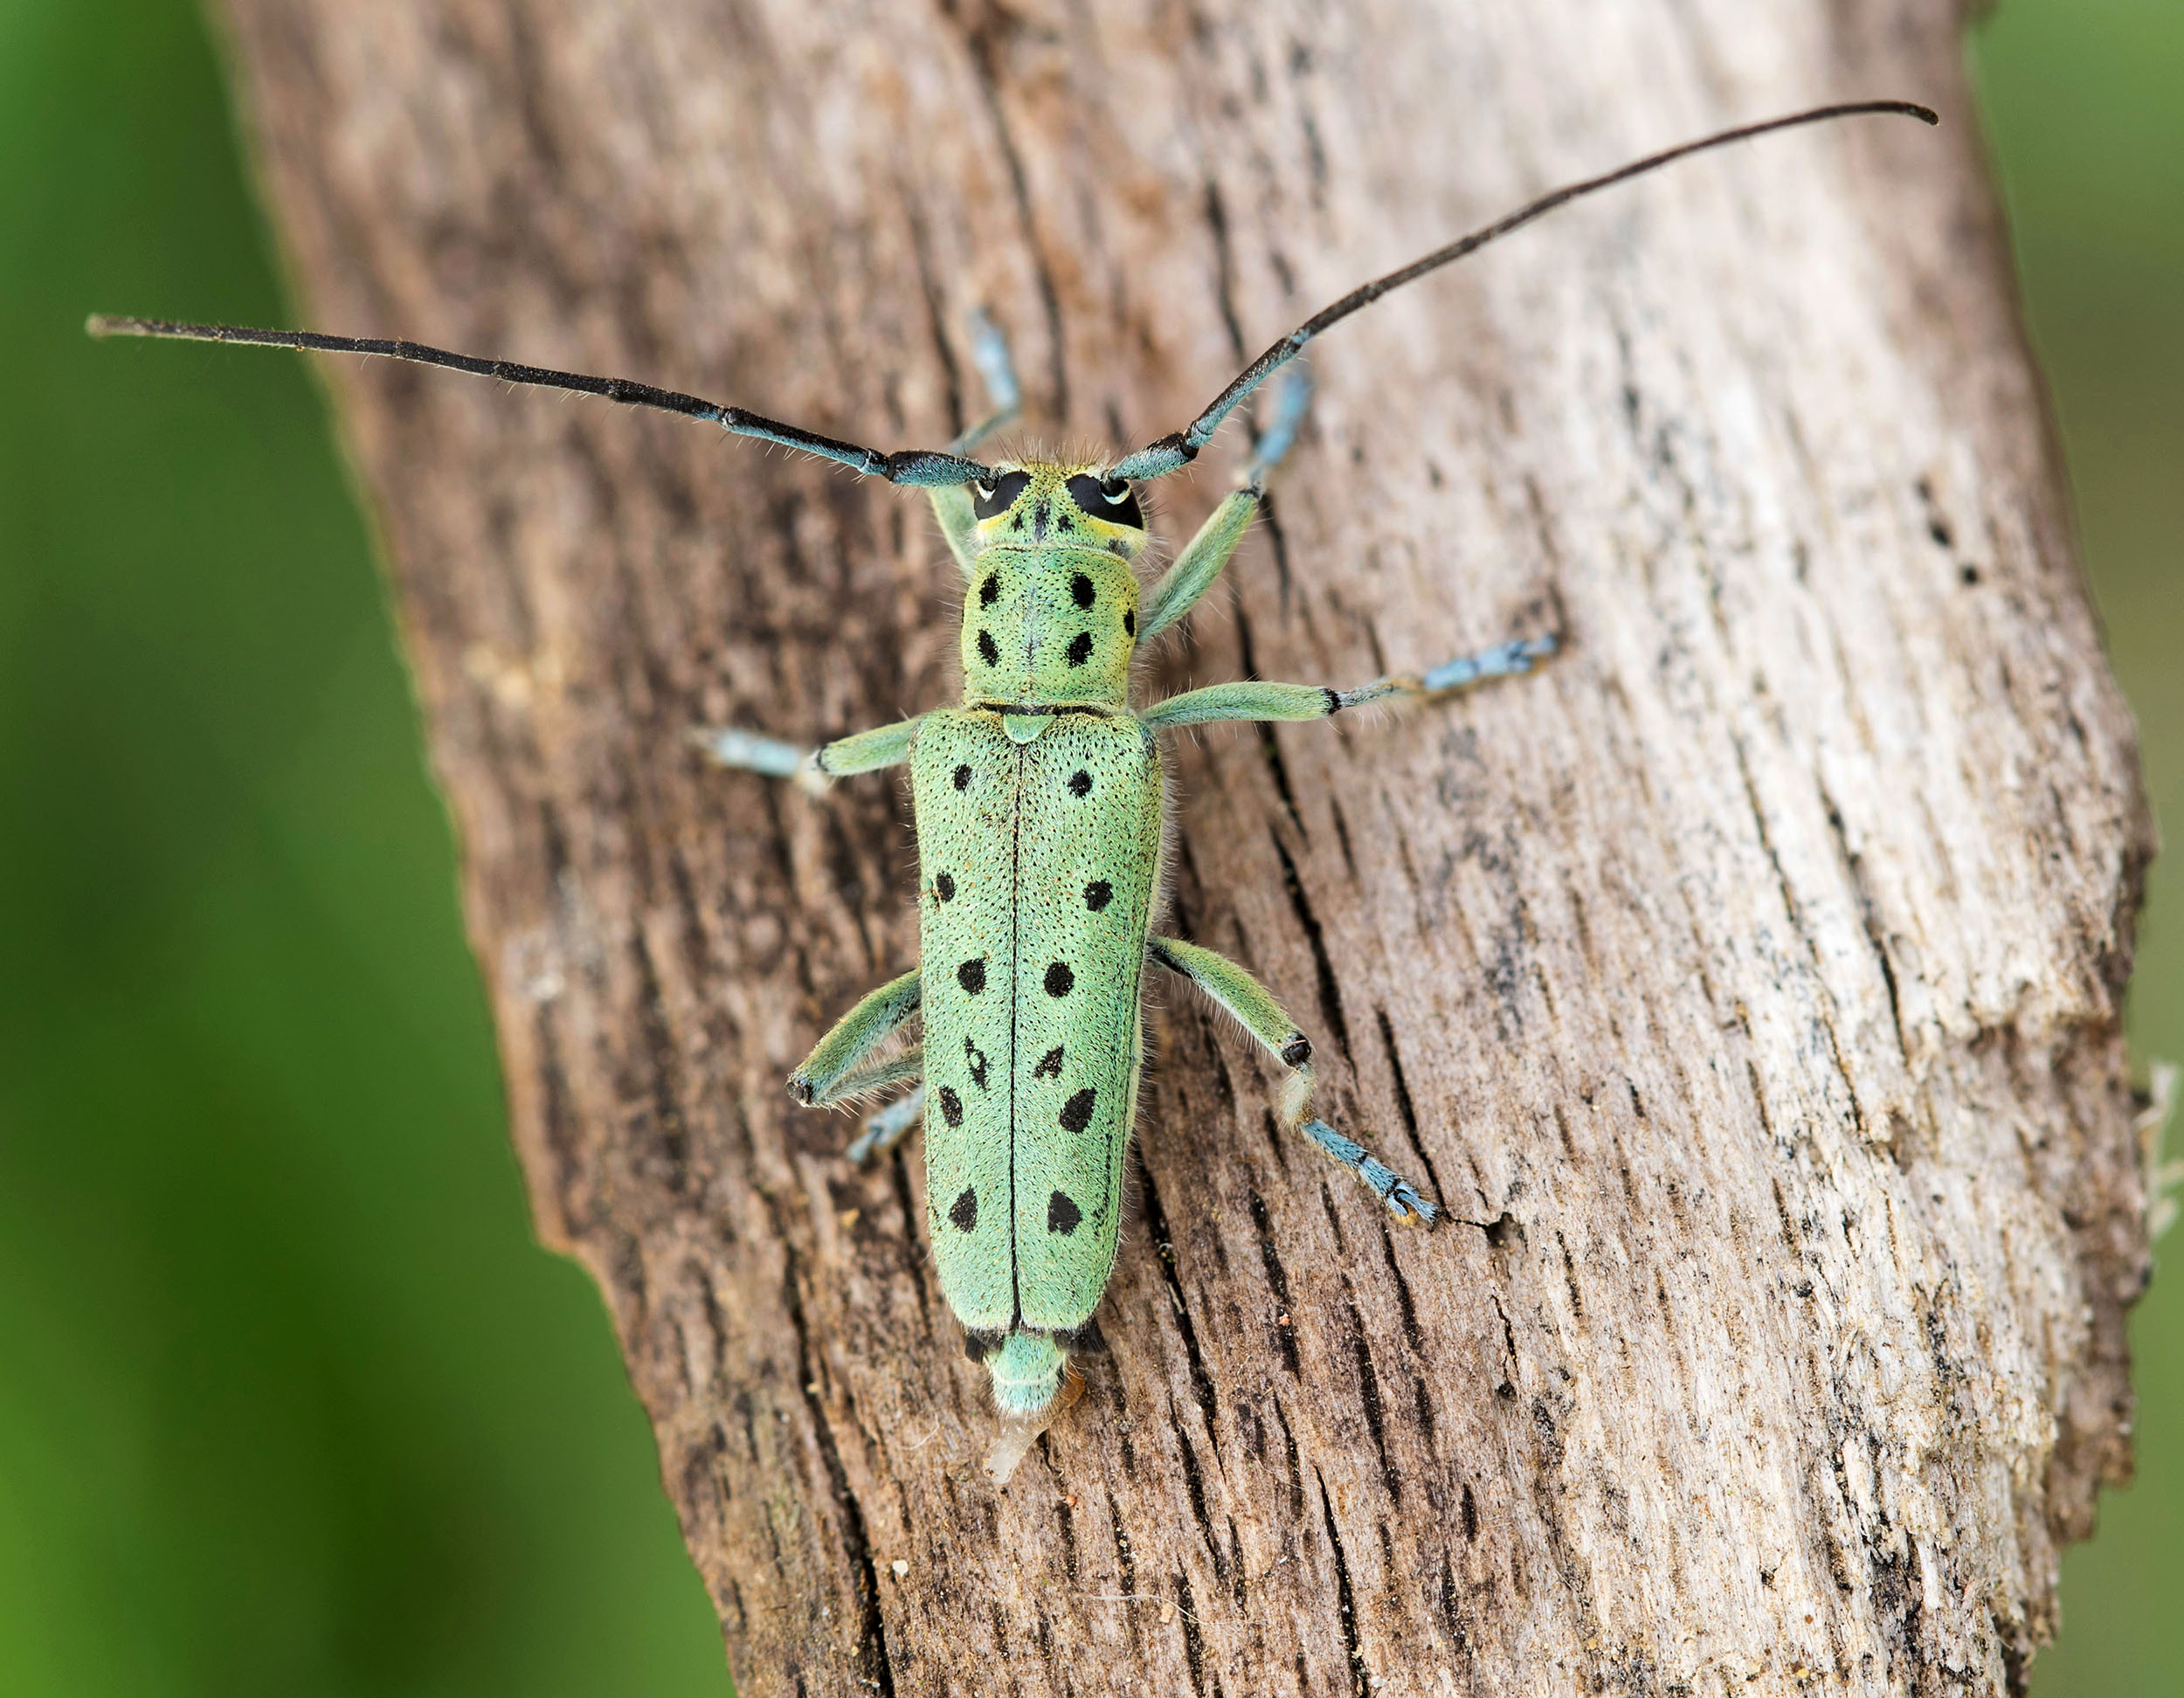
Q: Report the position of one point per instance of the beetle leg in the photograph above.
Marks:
(1182, 585)
(952, 502)
(815, 769)
(1251, 699)
(887, 1127)
(843, 1065)
(990, 353)
(1291, 403)
(1240, 994)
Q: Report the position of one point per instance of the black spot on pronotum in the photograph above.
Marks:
(1080, 783)
(1081, 590)
(1098, 894)
(945, 888)
(989, 591)
(1063, 1214)
(980, 1345)
(1130, 624)
(975, 1056)
(992, 503)
(1076, 1114)
(1296, 1051)
(972, 976)
(961, 778)
(950, 1107)
(989, 650)
(964, 1216)
(1049, 1065)
(1079, 649)
(1060, 979)
(1061, 522)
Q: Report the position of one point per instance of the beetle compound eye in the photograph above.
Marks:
(1111, 499)
(991, 502)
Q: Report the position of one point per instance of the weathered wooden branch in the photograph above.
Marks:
(1747, 985)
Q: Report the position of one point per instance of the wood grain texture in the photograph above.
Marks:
(1747, 985)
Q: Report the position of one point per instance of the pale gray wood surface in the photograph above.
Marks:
(1747, 985)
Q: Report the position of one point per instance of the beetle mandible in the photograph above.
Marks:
(1041, 814)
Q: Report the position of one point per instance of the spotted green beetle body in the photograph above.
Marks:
(1040, 813)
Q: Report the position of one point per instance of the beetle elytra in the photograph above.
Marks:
(1040, 813)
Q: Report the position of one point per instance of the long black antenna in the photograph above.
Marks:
(922, 467)
(1172, 454)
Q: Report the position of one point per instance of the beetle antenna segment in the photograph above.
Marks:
(1173, 454)
(921, 467)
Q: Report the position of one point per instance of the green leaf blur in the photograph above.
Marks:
(2084, 106)
(288, 1403)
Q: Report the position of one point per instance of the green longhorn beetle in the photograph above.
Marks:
(1040, 815)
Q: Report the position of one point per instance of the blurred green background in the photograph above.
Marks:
(289, 1403)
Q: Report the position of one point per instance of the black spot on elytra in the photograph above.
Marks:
(1049, 1065)
(1079, 649)
(1098, 894)
(944, 887)
(964, 1216)
(1080, 783)
(1130, 624)
(1076, 1114)
(1063, 1214)
(961, 778)
(975, 1056)
(988, 651)
(1060, 979)
(972, 976)
(989, 591)
(1081, 590)
(950, 1107)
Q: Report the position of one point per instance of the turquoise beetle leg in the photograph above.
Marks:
(1249, 1001)
(1185, 583)
(952, 502)
(813, 768)
(1258, 701)
(888, 1126)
